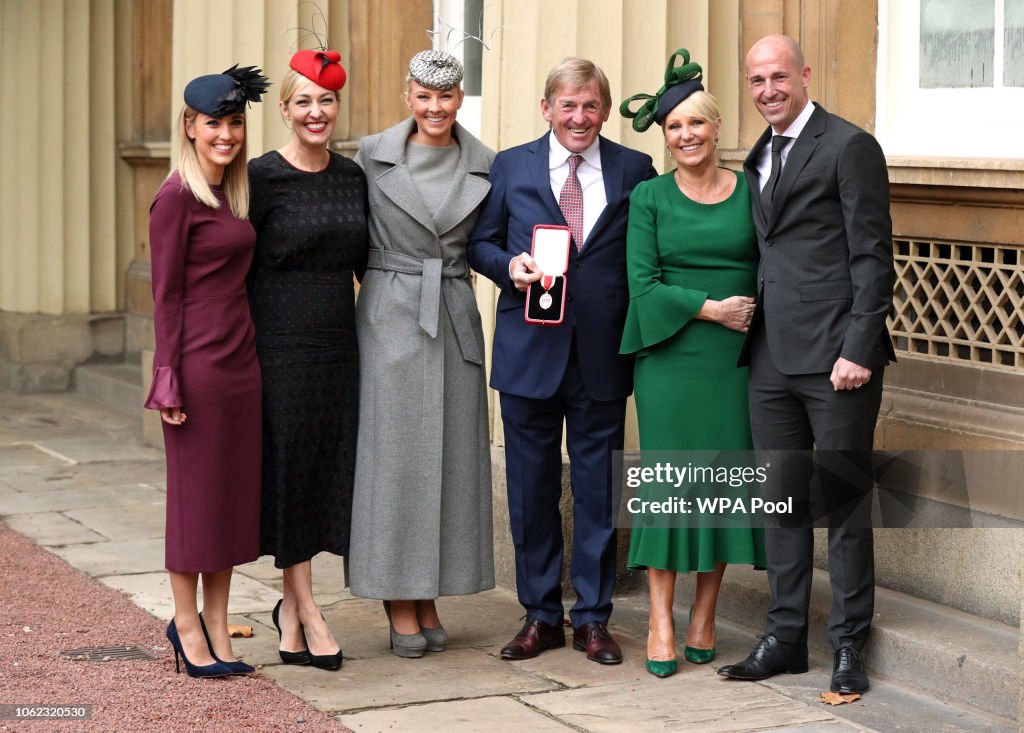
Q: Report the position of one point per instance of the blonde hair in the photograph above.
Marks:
(577, 73)
(699, 104)
(292, 82)
(236, 176)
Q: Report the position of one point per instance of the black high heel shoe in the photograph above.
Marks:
(217, 669)
(237, 666)
(329, 662)
(302, 657)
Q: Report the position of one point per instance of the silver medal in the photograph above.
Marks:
(545, 301)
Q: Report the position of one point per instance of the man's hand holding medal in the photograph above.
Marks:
(542, 274)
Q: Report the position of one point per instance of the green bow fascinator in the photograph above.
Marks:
(680, 82)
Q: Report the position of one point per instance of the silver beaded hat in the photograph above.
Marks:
(435, 69)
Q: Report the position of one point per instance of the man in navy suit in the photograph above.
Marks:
(570, 372)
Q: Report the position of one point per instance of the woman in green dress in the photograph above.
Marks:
(691, 264)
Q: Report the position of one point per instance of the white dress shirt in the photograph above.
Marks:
(764, 161)
(589, 173)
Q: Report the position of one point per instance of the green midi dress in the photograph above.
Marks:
(689, 393)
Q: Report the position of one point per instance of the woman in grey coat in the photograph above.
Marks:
(421, 515)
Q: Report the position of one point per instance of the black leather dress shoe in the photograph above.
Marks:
(594, 639)
(770, 657)
(535, 637)
(848, 671)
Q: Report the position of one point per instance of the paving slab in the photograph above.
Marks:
(260, 649)
(387, 680)
(151, 473)
(889, 706)
(262, 570)
(572, 668)
(101, 448)
(15, 455)
(682, 702)
(114, 558)
(485, 620)
(832, 726)
(62, 500)
(51, 528)
(328, 576)
(86, 412)
(502, 715)
(152, 590)
(49, 478)
(136, 521)
(19, 421)
(249, 596)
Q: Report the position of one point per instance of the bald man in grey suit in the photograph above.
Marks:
(817, 348)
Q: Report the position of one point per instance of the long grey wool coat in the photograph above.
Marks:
(421, 515)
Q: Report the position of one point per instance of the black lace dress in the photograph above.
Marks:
(311, 238)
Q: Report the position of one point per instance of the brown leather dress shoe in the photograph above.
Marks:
(535, 637)
(594, 639)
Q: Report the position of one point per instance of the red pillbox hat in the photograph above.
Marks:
(320, 67)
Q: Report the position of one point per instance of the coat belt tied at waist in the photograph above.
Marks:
(432, 272)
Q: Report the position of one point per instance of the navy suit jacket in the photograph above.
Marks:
(530, 360)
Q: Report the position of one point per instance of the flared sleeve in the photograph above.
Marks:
(169, 224)
(657, 311)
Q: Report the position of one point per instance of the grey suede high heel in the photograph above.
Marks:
(436, 638)
(409, 646)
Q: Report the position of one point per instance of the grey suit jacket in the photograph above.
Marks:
(825, 275)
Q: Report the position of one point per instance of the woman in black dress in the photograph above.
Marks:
(309, 210)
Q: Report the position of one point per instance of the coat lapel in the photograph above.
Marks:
(800, 152)
(396, 182)
(754, 180)
(470, 185)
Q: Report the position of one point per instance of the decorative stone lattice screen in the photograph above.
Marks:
(960, 302)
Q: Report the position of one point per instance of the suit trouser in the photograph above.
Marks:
(793, 414)
(533, 469)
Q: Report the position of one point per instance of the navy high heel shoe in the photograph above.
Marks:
(237, 666)
(217, 669)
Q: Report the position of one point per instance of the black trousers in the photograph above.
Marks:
(792, 415)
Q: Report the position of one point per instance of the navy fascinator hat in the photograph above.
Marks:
(219, 95)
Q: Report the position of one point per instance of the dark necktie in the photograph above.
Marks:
(570, 201)
(768, 192)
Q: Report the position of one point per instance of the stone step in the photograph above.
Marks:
(942, 652)
(118, 385)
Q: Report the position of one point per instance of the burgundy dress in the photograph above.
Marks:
(205, 363)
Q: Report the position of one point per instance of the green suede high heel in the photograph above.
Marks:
(664, 667)
(695, 655)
